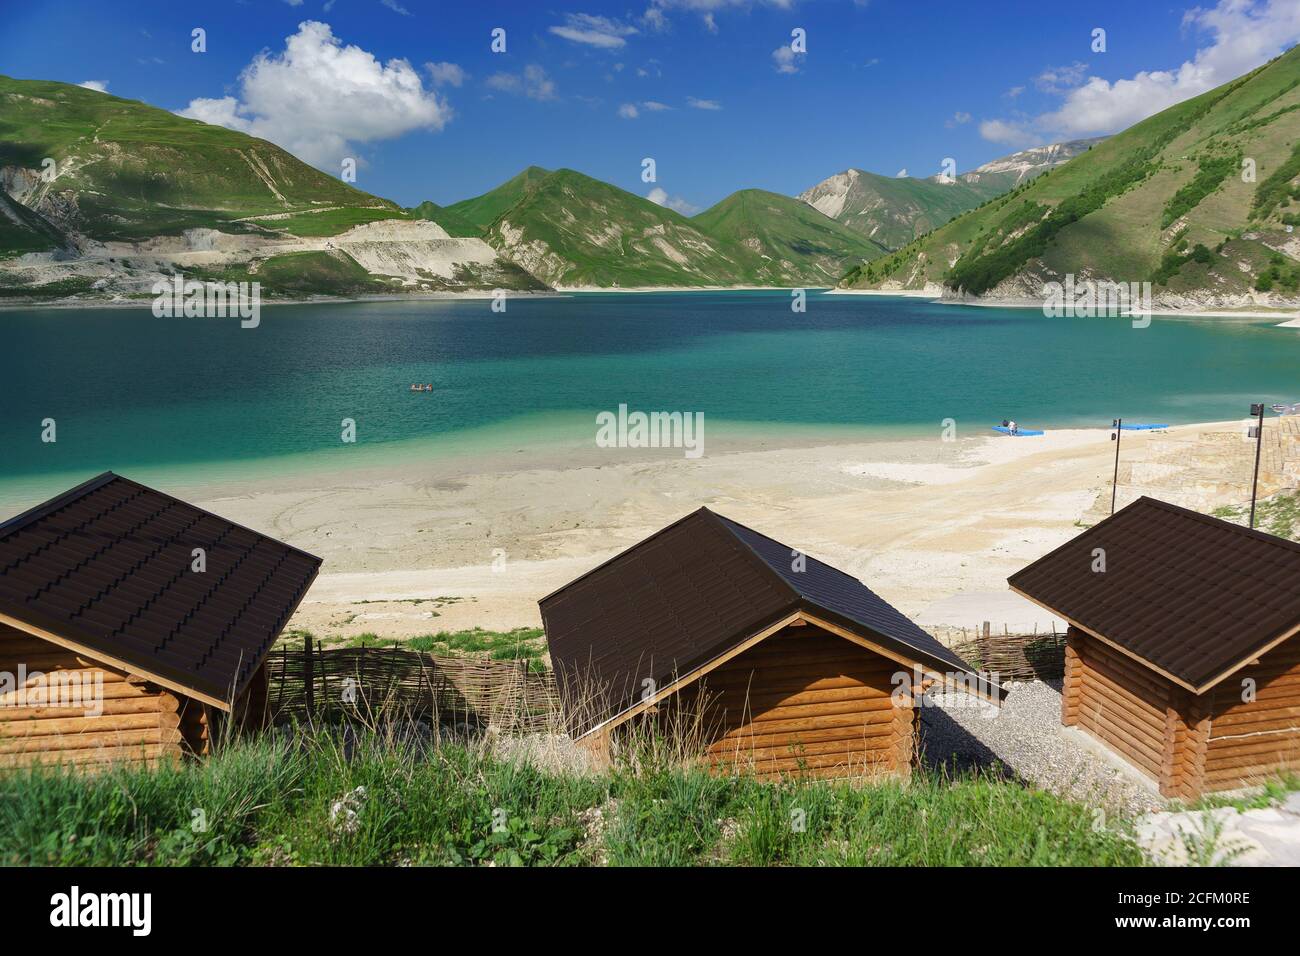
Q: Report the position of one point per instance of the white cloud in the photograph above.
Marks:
(294, 3)
(446, 74)
(901, 174)
(1010, 132)
(1059, 79)
(628, 111)
(706, 9)
(654, 20)
(532, 83)
(786, 60)
(660, 197)
(959, 118)
(396, 7)
(654, 106)
(1243, 34)
(99, 86)
(603, 32)
(319, 98)
(699, 104)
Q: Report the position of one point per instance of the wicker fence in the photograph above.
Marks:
(310, 682)
(1013, 656)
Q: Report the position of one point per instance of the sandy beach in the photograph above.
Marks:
(934, 526)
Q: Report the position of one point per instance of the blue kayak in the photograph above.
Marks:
(1140, 428)
(1022, 433)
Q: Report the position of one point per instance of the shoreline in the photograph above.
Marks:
(1292, 319)
(935, 527)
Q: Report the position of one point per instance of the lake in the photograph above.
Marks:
(147, 396)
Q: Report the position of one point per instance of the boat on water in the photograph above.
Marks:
(422, 388)
(1019, 432)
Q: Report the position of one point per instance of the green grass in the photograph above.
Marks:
(522, 643)
(1267, 794)
(297, 274)
(268, 802)
(138, 171)
(1107, 209)
(1279, 515)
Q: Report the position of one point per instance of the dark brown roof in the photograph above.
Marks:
(1192, 596)
(696, 589)
(107, 567)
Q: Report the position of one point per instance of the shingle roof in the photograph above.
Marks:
(1192, 596)
(107, 567)
(696, 589)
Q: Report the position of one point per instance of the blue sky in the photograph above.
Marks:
(711, 89)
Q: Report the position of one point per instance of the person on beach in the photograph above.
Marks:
(1013, 428)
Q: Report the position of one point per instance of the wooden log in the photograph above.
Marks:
(112, 740)
(848, 749)
(850, 718)
(79, 725)
(761, 699)
(1143, 725)
(743, 736)
(1145, 719)
(141, 753)
(115, 706)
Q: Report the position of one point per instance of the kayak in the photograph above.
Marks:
(1022, 433)
(1140, 428)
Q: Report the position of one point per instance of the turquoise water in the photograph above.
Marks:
(203, 396)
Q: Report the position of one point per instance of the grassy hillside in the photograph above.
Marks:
(455, 224)
(23, 230)
(1163, 201)
(794, 243)
(568, 229)
(483, 210)
(391, 798)
(892, 211)
(126, 170)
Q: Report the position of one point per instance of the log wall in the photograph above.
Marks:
(118, 718)
(1188, 744)
(1252, 739)
(804, 702)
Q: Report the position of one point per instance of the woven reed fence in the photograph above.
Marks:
(1014, 656)
(310, 682)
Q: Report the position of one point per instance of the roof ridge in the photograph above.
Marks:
(829, 567)
(748, 550)
(628, 550)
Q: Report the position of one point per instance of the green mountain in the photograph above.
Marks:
(893, 211)
(130, 193)
(454, 224)
(795, 244)
(570, 230)
(484, 210)
(1170, 200)
(124, 170)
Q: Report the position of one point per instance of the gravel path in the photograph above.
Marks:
(1025, 739)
